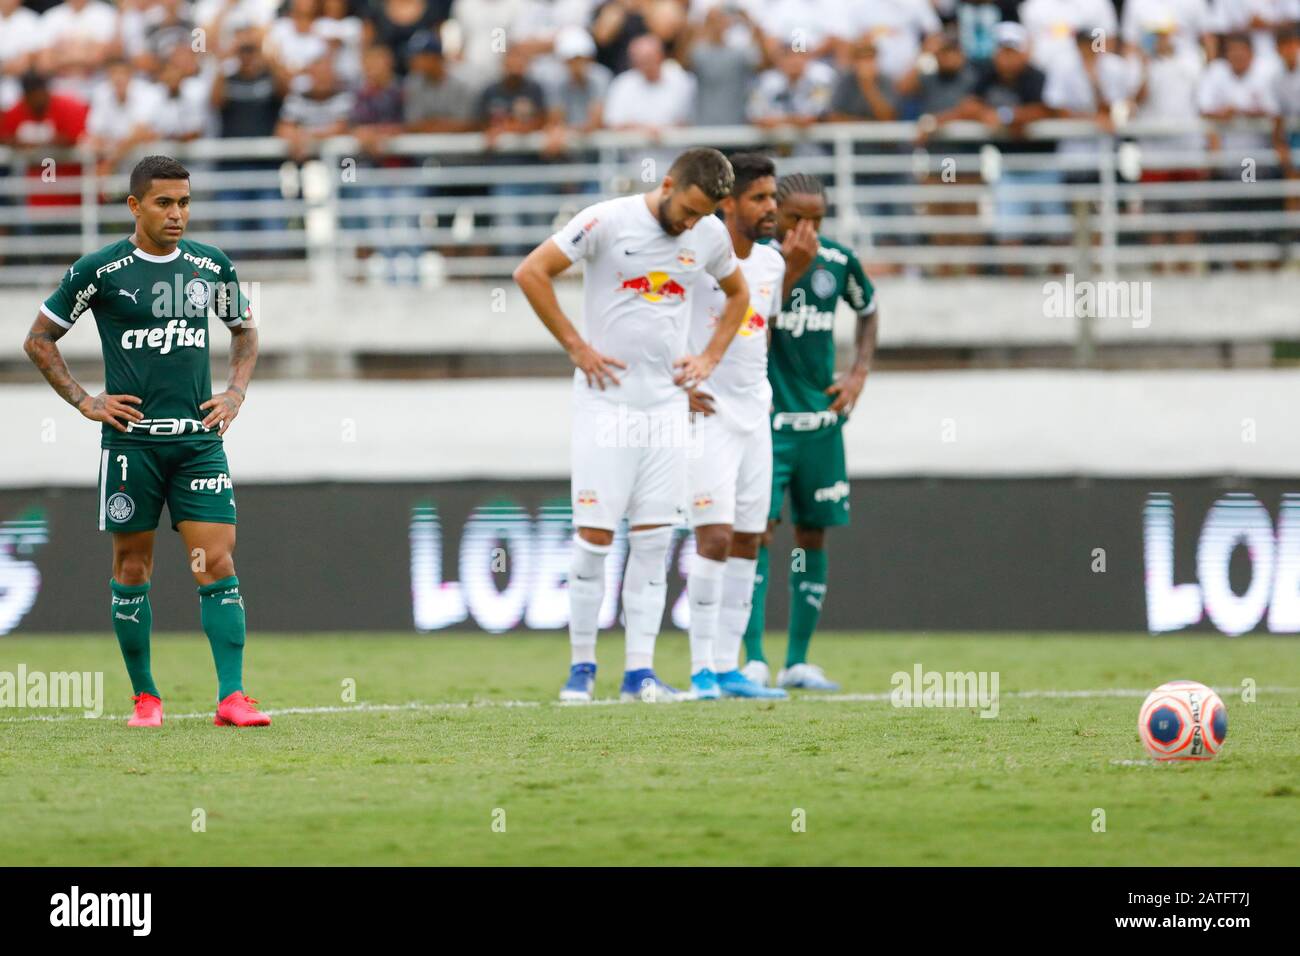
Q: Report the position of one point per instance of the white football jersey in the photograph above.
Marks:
(739, 386)
(637, 291)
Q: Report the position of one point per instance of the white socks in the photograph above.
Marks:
(586, 591)
(733, 616)
(704, 591)
(645, 586)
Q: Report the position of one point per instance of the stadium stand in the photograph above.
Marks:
(398, 156)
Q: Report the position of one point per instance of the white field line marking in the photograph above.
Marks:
(421, 706)
(280, 711)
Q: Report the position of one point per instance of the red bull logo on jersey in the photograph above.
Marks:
(751, 324)
(656, 287)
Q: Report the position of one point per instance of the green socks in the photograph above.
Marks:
(757, 611)
(132, 621)
(807, 590)
(221, 608)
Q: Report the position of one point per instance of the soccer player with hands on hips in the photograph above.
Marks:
(161, 426)
(644, 258)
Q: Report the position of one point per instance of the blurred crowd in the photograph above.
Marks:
(123, 74)
(116, 76)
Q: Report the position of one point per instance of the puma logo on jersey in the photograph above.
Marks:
(133, 617)
(129, 295)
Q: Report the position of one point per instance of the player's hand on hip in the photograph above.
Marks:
(224, 409)
(846, 392)
(701, 402)
(110, 408)
(595, 366)
(693, 369)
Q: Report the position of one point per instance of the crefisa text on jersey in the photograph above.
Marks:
(176, 334)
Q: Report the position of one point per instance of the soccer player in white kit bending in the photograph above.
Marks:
(730, 487)
(643, 255)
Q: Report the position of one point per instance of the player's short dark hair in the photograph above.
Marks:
(155, 167)
(1237, 36)
(748, 168)
(706, 168)
(1289, 31)
(800, 183)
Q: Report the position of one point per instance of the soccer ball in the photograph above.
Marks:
(1183, 720)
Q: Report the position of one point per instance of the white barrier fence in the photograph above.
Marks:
(954, 424)
(439, 207)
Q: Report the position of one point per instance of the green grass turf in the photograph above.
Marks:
(700, 783)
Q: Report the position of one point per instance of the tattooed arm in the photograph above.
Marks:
(243, 356)
(42, 348)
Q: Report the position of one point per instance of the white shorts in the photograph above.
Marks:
(730, 480)
(628, 462)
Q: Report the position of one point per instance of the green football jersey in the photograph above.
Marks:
(152, 315)
(801, 360)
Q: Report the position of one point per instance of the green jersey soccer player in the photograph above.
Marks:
(161, 426)
(809, 407)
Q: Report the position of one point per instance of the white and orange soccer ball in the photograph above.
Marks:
(1183, 720)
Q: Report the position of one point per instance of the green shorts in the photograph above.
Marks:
(813, 467)
(192, 477)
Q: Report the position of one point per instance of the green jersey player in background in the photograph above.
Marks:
(809, 407)
(161, 426)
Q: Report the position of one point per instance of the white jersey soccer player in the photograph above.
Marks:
(730, 466)
(643, 256)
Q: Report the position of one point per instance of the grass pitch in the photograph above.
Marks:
(699, 783)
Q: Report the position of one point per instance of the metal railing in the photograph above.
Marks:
(439, 207)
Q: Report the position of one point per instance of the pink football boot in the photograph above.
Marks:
(237, 711)
(148, 711)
